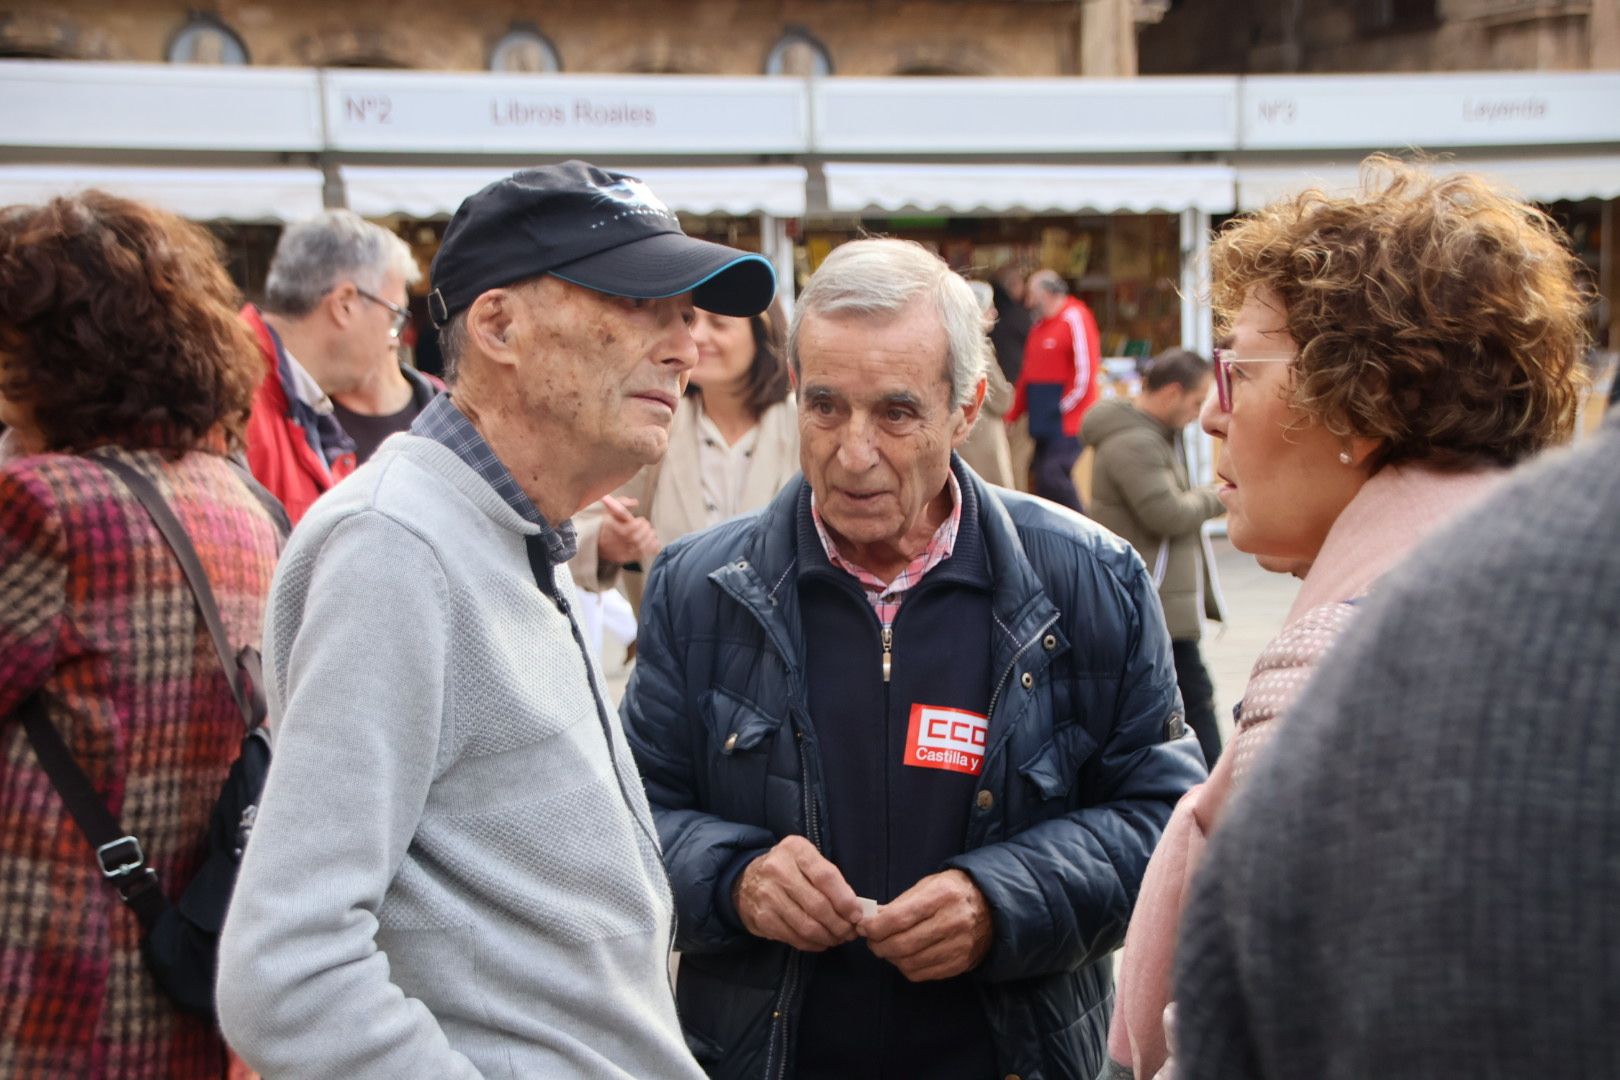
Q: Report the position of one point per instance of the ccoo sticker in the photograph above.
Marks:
(944, 738)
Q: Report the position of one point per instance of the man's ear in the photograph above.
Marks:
(339, 303)
(491, 325)
(970, 413)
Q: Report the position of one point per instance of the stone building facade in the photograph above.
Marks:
(1323, 36)
(1036, 38)
(709, 37)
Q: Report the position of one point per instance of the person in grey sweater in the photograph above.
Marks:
(1424, 884)
(454, 872)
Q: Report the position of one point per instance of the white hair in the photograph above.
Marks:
(316, 255)
(880, 277)
(1049, 281)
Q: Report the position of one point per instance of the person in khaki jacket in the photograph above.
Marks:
(733, 445)
(1140, 489)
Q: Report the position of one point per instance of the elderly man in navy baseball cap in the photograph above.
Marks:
(562, 295)
(604, 230)
(501, 906)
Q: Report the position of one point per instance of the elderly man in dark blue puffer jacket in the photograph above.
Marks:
(909, 739)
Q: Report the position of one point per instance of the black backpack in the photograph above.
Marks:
(181, 940)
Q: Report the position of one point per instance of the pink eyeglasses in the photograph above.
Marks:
(1224, 359)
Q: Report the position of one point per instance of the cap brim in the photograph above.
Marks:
(721, 279)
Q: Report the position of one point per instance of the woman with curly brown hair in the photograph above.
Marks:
(119, 341)
(1392, 353)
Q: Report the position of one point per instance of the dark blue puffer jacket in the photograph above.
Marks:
(1087, 755)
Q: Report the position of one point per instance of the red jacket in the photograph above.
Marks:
(1058, 382)
(279, 453)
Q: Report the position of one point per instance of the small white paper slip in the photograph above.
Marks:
(868, 907)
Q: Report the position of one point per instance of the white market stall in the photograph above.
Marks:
(773, 193)
(1190, 192)
(260, 144)
(255, 195)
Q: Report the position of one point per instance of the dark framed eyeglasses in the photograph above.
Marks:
(402, 318)
(1224, 360)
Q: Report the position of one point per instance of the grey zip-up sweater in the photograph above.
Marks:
(453, 872)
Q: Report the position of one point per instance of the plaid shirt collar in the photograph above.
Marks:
(442, 422)
(884, 597)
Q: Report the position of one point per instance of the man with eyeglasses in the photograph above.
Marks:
(393, 398)
(334, 385)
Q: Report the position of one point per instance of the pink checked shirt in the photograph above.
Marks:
(885, 599)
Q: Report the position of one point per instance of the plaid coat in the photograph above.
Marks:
(95, 611)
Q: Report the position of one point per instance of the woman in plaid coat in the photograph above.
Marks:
(118, 335)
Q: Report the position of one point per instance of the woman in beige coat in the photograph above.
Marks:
(734, 444)
(987, 450)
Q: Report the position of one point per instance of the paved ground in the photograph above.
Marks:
(1256, 602)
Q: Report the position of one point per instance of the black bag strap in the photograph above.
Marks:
(119, 854)
(272, 505)
(175, 533)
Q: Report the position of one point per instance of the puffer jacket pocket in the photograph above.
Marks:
(735, 724)
(725, 1002)
(740, 737)
(1053, 1027)
(1054, 768)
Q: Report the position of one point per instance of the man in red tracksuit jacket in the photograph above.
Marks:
(1057, 384)
(296, 452)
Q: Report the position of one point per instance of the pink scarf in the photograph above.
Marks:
(1389, 517)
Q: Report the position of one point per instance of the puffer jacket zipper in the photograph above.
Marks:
(776, 1056)
(1012, 665)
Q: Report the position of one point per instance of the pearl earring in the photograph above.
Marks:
(1344, 457)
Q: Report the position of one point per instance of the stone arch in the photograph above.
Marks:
(206, 39)
(523, 48)
(798, 53)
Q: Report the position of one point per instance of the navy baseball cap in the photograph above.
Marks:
(604, 230)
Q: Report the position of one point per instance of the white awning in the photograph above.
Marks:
(1543, 180)
(970, 115)
(964, 189)
(220, 194)
(1466, 108)
(599, 117)
(741, 191)
(205, 107)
